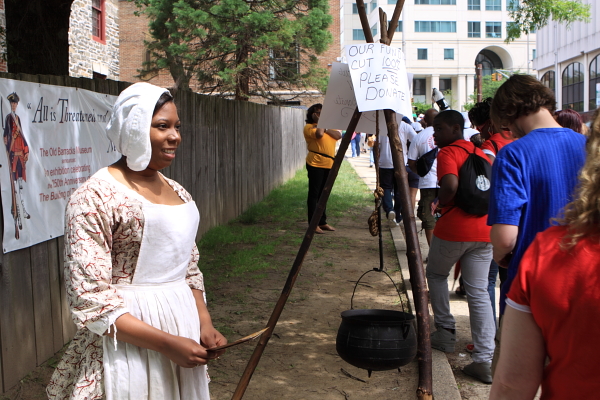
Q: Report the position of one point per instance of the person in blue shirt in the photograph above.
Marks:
(534, 177)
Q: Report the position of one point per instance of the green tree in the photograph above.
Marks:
(240, 47)
(488, 89)
(531, 15)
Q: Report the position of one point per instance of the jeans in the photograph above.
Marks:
(316, 182)
(388, 184)
(475, 258)
(356, 146)
(372, 155)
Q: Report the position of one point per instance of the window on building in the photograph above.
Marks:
(392, 2)
(595, 83)
(398, 28)
(373, 6)
(493, 29)
(512, 5)
(435, 26)
(358, 34)
(419, 86)
(354, 8)
(474, 5)
(548, 80)
(421, 54)
(374, 30)
(445, 84)
(533, 54)
(98, 21)
(572, 87)
(474, 29)
(284, 64)
(442, 2)
(493, 5)
(448, 54)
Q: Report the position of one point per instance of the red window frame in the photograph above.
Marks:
(101, 22)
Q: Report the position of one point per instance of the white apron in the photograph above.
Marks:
(159, 296)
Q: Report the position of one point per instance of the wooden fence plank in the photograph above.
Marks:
(68, 326)
(42, 310)
(16, 317)
(56, 283)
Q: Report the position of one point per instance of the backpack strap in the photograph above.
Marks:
(495, 146)
(321, 154)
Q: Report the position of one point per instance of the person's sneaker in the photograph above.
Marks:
(391, 216)
(443, 340)
(481, 371)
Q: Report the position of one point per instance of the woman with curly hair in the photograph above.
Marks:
(554, 304)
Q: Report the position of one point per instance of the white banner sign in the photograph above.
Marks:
(379, 76)
(55, 139)
(340, 103)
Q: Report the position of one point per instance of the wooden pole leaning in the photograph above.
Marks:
(415, 260)
(293, 274)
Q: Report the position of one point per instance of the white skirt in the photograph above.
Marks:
(131, 372)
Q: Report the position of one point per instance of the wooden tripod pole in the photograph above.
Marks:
(415, 261)
(308, 236)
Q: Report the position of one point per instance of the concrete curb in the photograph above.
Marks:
(444, 383)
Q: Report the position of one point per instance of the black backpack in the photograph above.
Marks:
(425, 162)
(473, 193)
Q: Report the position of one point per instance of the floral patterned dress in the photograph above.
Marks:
(104, 232)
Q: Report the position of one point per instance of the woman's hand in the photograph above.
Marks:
(210, 337)
(186, 352)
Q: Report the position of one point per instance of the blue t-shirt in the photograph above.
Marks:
(533, 178)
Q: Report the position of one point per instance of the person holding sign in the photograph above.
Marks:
(131, 269)
(319, 160)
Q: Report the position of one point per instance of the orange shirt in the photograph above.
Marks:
(325, 145)
(455, 225)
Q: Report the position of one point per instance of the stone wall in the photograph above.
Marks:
(86, 54)
(3, 66)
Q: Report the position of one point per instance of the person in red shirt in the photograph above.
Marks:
(465, 237)
(494, 139)
(553, 306)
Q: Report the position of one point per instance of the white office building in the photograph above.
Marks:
(575, 54)
(443, 40)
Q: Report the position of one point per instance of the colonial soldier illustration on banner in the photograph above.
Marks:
(18, 153)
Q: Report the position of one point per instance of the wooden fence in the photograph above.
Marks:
(232, 155)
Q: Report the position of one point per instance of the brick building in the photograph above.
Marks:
(94, 39)
(134, 30)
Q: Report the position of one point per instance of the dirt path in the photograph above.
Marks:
(300, 361)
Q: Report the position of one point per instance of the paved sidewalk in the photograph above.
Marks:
(444, 382)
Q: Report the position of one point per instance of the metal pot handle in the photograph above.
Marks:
(377, 270)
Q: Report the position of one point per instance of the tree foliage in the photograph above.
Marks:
(240, 47)
(531, 15)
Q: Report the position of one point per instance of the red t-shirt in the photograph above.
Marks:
(455, 225)
(497, 138)
(562, 291)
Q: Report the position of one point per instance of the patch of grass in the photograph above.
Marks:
(243, 246)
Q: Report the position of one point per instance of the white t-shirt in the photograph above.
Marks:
(405, 132)
(422, 144)
(468, 132)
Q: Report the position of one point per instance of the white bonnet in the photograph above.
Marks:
(130, 121)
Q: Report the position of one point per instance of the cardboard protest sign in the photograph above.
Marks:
(379, 77)
(340, 103)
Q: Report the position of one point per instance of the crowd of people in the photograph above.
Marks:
(538, 232)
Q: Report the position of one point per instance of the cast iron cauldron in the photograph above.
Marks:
(376, 340)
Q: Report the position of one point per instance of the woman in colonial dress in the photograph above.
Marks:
(133, 283)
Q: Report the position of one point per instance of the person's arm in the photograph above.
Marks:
(504, 239)
(448, 188)
(522, 355)
(182, 351)
(334, 133)
(209, 336)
